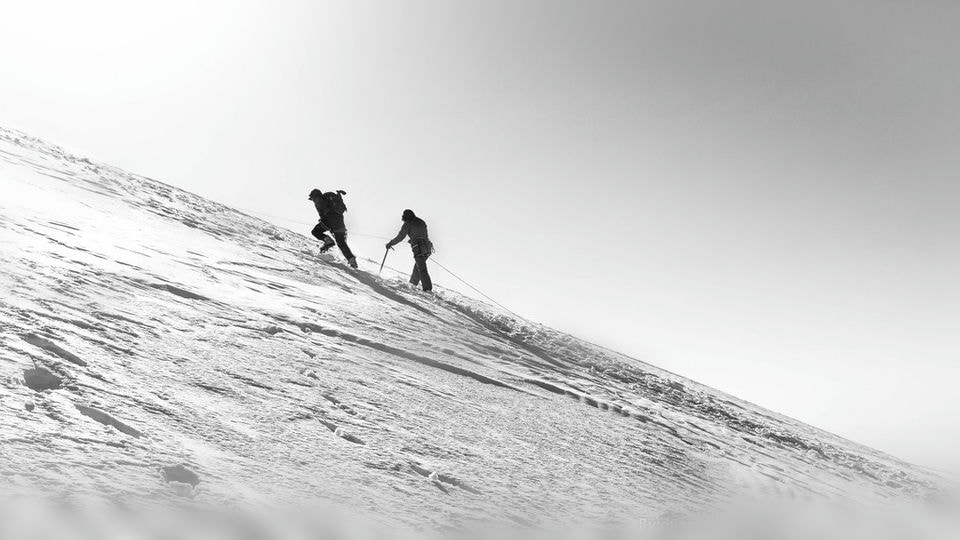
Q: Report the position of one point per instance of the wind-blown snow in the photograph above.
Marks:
(157, 344)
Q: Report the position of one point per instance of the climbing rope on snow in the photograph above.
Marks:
(305, 223)
(478, 291)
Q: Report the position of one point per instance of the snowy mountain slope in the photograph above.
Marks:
(156, 344)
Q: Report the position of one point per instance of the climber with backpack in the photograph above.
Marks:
(331, 207)
(416, 229)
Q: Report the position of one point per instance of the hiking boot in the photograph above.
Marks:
(352, 261)
(327, 244)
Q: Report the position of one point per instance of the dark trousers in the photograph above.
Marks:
(339, 234)
(422, 249)
(420, 273)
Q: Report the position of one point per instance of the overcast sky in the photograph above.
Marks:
(759, 195)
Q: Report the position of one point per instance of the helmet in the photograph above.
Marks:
(314, 194)
(408, 214)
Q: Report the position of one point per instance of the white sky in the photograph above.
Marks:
(759, 195)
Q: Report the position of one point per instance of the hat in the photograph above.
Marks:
(315, 193)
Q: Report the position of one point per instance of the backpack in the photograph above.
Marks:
(334, 201)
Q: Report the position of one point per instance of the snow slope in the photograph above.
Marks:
(157, 344)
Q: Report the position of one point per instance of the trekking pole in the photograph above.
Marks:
(385, 253)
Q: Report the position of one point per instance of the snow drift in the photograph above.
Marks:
(160, 346)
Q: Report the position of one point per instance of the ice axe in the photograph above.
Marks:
(385, 253)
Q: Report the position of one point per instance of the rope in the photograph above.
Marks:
(351, 233)
(274, 217)
(435, 261)
(478, 291)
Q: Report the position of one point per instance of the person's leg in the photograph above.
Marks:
(341, 237)
(421, 268)
(334, 222)
(319, 232)
(415, 275)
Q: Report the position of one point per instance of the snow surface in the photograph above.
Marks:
(159, 345)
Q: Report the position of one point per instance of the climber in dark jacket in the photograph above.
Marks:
(331, 207)
(416, 229)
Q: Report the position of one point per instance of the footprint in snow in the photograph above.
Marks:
(441, 481)
(40, 378)
(338, 404)
(108, 420)
(181, 480)
(342, 433)
(49, 346)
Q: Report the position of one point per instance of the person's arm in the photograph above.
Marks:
(400, 236)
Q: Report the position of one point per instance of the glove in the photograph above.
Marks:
(389, 245)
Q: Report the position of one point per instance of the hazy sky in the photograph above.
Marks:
(759, 195)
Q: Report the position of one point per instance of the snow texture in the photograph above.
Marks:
(159, 345)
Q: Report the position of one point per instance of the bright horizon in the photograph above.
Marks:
(761, 199)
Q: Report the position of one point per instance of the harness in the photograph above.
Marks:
(422, 248)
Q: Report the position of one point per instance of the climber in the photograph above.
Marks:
(416, 229)
(331, 207)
